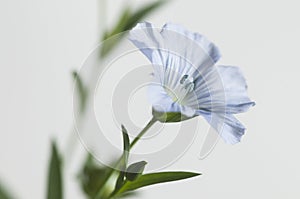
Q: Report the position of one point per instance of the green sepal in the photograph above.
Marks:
(169, 117)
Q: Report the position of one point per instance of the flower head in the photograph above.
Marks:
(186, 82)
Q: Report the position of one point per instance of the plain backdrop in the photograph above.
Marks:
(41, 42)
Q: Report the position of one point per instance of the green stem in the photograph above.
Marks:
(116, 166)
(142, 133)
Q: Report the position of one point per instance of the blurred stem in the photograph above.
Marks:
(116, 166)
(70, 148)
(72, 140)
(102, 5)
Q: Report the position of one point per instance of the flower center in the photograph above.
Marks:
(179, 93)
(187, 83)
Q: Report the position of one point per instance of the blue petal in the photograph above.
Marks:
(159, 99)
(222, 89)
(228, 127)
(146, 38)
(210, 48)
(235, 88)
(174, 47)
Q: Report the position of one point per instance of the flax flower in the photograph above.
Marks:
(186, 81)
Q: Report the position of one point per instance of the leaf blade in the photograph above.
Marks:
(135, 170)
(127, 21)
(126, 144)
(81, 89)
(143, 12)
(155, 178)
(126, 148)
(55, 190)
(92, 176)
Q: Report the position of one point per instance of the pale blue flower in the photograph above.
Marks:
(186, 80)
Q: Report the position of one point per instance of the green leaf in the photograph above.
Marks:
(127, 21)
(126, 148)
(82, 90)
(120, 181)
(155, 178)
(92, 176)
(135, 170)
(143, 12)
(55, 184)
(126, 145)
(3, 193)
(120, 25)
(169, 116)
(109, 44)
(132, 194)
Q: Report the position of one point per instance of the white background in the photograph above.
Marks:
(42, 41)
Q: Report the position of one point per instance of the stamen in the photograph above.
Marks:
(189, 87)
(183, 79)
(187, 83)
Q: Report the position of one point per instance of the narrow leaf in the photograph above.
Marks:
(81, 89)
(109, 44)
(127, 21)
(120, 181)
(126, 145)
(129, 195)
(126, 148)
(120, 25)
(155, 178)
(92, 176)
(55, 190)
(135, 170)
(142, 13)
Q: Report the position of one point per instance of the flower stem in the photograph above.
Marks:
(142, 133)
(116, 166)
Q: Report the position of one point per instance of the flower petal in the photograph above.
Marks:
(147, 38)
(209, 47)
(235, 88)
(174, 47)
(159, 99)
(149, 41)
(228, 127)
(222, 89)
